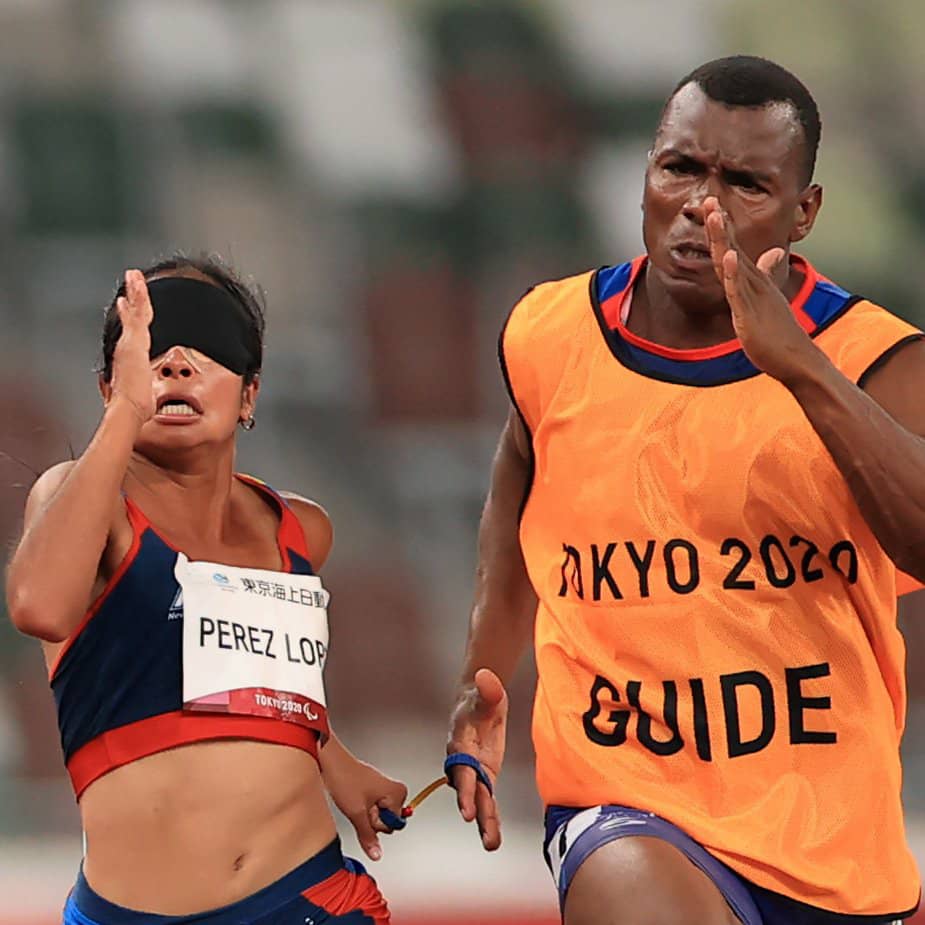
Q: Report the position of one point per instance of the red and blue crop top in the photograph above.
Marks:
(117, 682)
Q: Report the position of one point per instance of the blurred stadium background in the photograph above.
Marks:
(395, 174)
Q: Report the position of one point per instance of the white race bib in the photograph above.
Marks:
(254, 642)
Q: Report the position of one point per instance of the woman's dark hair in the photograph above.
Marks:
(250, 298)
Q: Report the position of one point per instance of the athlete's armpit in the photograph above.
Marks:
(519, 436)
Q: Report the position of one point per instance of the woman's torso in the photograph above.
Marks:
(239, 813)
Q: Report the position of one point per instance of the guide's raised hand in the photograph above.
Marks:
(761, 315)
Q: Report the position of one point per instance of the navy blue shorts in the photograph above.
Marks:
(572, 835)
(325, 890)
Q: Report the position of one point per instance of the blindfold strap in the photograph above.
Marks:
(194, 313)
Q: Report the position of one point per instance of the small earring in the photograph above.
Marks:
(248, 423)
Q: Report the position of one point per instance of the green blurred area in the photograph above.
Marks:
(863, 62)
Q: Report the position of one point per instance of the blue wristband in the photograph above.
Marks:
(396, 823)
(460, 758)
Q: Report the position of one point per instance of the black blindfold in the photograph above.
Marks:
(194, 313)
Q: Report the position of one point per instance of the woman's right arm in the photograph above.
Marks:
(73, 506)
(69, 514)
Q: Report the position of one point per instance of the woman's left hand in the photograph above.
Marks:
(358, 790)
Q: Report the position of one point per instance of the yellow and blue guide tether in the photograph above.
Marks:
(397, 823)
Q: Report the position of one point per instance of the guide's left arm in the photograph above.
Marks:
(875, 435)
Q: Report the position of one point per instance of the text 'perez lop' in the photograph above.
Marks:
(256, 640)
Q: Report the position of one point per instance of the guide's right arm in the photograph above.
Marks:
(500, 628)
(501, 624)
(71, 508)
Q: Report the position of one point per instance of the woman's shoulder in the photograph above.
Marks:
(48, 483)
(316, 525)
